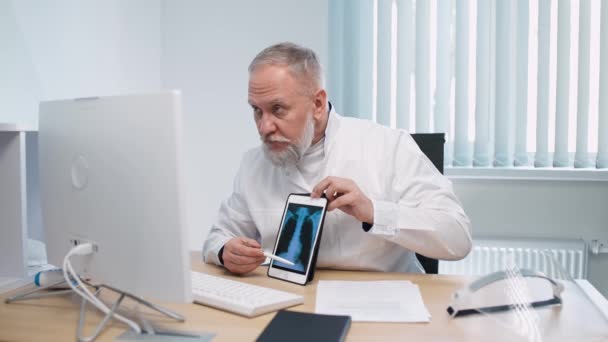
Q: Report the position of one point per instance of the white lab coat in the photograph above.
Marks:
(415, 209)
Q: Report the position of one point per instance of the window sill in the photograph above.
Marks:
(527, 173)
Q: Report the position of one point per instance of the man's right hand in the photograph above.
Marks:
(242, 255)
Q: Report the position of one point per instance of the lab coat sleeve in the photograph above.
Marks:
(423, 214)
(234, 219)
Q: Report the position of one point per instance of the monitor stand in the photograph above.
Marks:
(147, 327)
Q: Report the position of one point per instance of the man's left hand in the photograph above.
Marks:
(344, 194)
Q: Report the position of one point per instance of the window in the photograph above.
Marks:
(512, 83)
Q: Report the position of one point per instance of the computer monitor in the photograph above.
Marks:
(111, 174)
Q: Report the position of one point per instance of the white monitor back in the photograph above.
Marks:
(111, 174)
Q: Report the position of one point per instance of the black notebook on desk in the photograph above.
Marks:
(300, 326)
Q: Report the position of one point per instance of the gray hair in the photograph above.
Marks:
(302, 62)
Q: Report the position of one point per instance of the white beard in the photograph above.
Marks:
(294, 151)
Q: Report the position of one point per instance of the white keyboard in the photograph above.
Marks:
(241, 298)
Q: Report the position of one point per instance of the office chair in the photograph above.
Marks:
(431, 145)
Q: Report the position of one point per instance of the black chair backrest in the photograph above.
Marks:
(431, 145)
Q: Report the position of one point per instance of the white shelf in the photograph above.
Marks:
(10, 127)
(18, 144)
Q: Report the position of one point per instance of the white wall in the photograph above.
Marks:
(19, 85)
(206, 49)
(67, 49)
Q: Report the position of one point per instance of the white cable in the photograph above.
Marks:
(87, 295)
(69, 270)
(97, 302)
(85, 249)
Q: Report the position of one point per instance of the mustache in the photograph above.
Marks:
(275, 138)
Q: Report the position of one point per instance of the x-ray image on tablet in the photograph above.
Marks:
(298, 237)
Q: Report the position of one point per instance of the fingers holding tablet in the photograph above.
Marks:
(345, 194)
(242, 255)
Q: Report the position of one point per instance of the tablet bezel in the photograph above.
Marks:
(290, 275)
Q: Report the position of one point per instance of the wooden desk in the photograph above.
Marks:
(55, 319)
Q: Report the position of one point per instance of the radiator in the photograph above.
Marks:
(489, 255)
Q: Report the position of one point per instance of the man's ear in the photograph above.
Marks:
(320, 104)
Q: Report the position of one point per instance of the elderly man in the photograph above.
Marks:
(391, 201)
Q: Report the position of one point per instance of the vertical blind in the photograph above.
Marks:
(512, 83)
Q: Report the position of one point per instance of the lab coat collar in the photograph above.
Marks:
(333, 123)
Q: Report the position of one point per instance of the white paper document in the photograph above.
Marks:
(372, 301)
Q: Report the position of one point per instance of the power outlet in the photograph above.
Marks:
(598, 246)
(75, 241)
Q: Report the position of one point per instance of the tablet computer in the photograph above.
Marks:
(298, 238)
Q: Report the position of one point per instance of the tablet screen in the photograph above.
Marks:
(297, 236)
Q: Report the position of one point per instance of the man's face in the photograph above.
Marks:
(283, 113)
